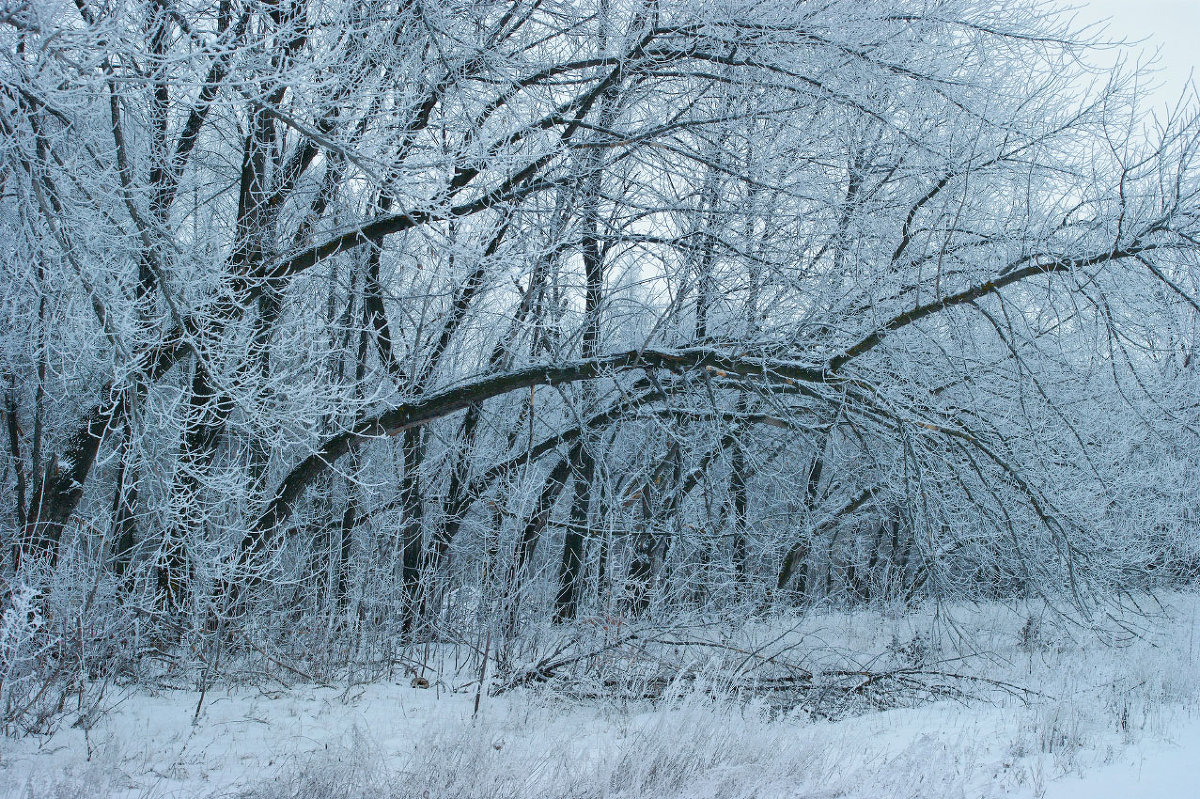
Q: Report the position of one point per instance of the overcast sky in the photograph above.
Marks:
(1171, 26)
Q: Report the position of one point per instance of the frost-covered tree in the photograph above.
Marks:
(411, 312)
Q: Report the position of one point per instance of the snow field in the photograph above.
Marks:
(1113, 714)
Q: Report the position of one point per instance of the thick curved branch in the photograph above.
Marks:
(1013, 274)
(437, 406)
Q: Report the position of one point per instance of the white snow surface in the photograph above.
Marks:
(1158, 770)
(1109, 721)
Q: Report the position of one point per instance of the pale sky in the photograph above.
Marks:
(1171, 26)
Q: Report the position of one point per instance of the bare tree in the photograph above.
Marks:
(340, 310)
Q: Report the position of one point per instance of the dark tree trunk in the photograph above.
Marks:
(13, 427)
(570, 574)
(412, 533)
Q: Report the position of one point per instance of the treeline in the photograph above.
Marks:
(427, 318)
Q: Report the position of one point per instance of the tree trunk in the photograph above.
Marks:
(570, 574)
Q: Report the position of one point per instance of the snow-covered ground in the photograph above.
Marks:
(1107, 721)
(1166, 769)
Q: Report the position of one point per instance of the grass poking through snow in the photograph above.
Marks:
(1031, 702)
